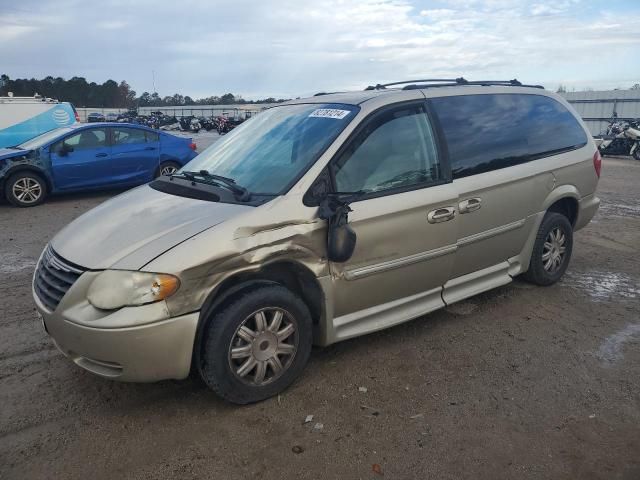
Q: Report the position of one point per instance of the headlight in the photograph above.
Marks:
(114, 289)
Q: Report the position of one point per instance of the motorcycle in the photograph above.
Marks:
(224, 125)
(190, 124)
(621, 138)
(207, 123)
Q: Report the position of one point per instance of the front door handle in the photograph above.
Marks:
(101, 154)
(150, 148)
(470, 205)
(443, 214)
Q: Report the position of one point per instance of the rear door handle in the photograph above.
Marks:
(150, 148)
(101, 154)
(443, 214)
(470, 205)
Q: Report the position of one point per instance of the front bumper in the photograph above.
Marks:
(157, 350)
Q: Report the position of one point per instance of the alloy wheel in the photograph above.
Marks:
(168, 170)
(27, 190)
(263, 346)
(553, 252)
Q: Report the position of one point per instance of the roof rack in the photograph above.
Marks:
(450, 82)
(381, 86)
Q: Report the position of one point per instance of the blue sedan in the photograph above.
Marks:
(85, 157)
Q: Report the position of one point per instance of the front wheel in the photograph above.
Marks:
(636, 152)
(551, 251)
(256, 346)
(25, 189)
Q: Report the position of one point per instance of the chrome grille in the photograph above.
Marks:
(53, 277)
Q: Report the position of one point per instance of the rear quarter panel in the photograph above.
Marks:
(173, 148)
(576, 168)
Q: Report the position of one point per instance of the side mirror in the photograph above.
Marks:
(341, 238)
(64, 150)
(341, 242)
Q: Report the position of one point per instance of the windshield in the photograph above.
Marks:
(271, 150)
(45, 138)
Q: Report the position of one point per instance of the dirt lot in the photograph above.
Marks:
(521, 382)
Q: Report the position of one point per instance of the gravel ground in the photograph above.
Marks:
(521, 382)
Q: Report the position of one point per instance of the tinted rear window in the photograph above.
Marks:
(488, 132)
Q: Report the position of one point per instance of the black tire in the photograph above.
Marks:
(168, 164)
(213, 359)
(36, 184)
(537, 273)
(636, 153)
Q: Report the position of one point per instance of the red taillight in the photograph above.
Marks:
(597, 162)
(193, 146)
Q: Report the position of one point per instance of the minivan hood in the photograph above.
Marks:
(130, 230)
(6, 153)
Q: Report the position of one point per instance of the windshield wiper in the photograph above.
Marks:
(240, 192)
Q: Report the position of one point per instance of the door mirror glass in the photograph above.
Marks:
(341, 238)
(341, 242)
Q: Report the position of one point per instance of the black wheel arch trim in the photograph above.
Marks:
(26, 168)
(277, 270)
(215, 300)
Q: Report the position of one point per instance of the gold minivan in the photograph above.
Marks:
(319, 220)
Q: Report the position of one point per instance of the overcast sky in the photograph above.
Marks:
(294, 48)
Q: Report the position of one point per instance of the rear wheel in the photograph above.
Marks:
(257, 345)
(167, 168)
(636, 153)
(25, 189)
(551, 251)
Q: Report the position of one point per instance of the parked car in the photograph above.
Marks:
(111, 117)
(317, 221)
(84, 157)
(94, 117)
(22, 118)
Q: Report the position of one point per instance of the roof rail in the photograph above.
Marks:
(381, 86)
(451, 82)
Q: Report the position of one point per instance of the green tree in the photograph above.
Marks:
(145, 99)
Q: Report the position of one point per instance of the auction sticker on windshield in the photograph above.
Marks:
(330, 113)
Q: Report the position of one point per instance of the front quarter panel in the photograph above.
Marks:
(36, 161)
(282, 230)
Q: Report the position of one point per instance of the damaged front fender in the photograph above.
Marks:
(240, 247)
(13, 160)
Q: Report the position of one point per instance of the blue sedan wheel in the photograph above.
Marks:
(25, 189)
(168, 168)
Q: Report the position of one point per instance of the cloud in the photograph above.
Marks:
(291, 48)
(12, 32)
(113, 25)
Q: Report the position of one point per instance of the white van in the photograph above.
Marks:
(22, 118)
